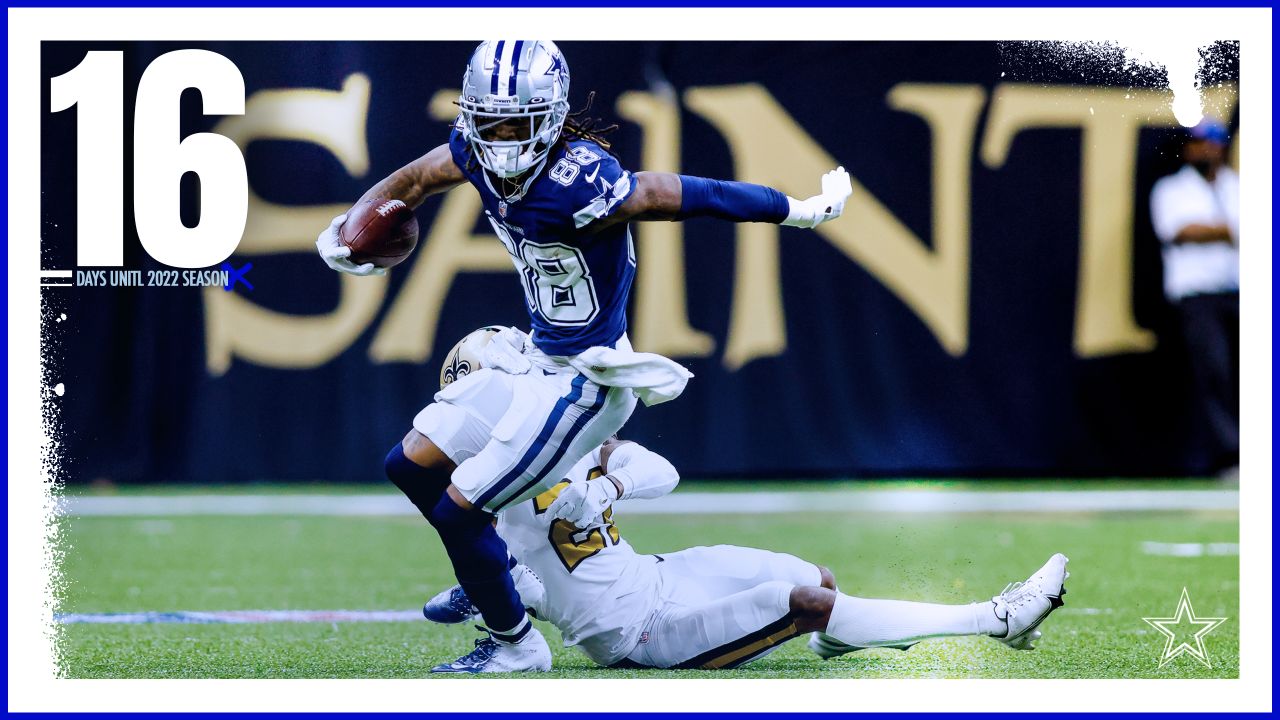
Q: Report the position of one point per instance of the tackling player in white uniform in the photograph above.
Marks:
(705, 607)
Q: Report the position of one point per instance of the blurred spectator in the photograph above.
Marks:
(1196, 215)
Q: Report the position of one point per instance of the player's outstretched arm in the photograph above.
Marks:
(432, 173)
(668, 196)
(636, 471)
(631, 471)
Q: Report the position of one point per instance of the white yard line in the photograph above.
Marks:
(239, 617)
(692, 503)
(1193, 549)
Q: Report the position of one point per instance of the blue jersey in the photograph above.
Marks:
(576, 282)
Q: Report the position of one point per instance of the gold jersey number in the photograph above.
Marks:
(574, 544)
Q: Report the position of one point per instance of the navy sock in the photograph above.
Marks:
(481, 564)
(422, 485)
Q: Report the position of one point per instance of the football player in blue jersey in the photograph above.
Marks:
(560, 203)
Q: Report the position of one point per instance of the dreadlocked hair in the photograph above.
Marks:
(472, 164)
(580, 126)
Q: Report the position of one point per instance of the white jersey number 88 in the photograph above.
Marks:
(557, 284)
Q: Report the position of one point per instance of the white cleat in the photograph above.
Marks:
(1023, 606)
(531, 654)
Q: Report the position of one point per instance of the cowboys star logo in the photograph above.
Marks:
(1184, 632)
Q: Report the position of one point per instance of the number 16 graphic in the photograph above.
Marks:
(160, 158)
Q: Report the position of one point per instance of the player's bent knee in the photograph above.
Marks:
(421, 450)
(828, 578)
(811, 607)
(468, 536)
(449, 517)
(423, 485)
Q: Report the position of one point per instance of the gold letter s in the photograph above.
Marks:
(235, 326)
(769, 146)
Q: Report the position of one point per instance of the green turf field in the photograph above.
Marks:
(207, 563)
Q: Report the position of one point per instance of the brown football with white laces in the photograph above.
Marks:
(381, 231)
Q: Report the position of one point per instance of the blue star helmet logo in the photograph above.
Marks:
(558, 67)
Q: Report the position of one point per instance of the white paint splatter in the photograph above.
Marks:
(52, 477)
(1188, 66)
(1181, 62)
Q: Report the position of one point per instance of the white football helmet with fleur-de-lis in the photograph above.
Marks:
(506, 80)
(464, 358)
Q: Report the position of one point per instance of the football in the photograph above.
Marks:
(380, 231)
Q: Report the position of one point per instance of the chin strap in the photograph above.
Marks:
(523, 187)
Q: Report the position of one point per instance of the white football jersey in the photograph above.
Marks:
(599, 591)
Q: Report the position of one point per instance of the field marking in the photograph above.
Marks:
(238, 617)
(690, 503)
(1218, 549)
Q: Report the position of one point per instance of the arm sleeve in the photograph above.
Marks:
(641, 472)
(729, 200)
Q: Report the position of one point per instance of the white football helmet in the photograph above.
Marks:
(525, 81)
(464, 358)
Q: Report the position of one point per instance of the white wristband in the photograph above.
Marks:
(801, 214)
(625, 481)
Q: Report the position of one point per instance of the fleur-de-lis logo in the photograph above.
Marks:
(459, 368)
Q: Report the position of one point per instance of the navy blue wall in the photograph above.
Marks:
(863, 387)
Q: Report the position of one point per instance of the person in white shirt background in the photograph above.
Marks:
(1196, 215)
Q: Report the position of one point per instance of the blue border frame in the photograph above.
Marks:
(642, 4)
(4, 300)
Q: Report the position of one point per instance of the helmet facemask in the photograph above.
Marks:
(509, 142)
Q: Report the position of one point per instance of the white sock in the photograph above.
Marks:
(873, 623)
(529, 586)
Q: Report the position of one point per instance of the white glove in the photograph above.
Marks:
(336, 255)
(582, 502)
(836, 189)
